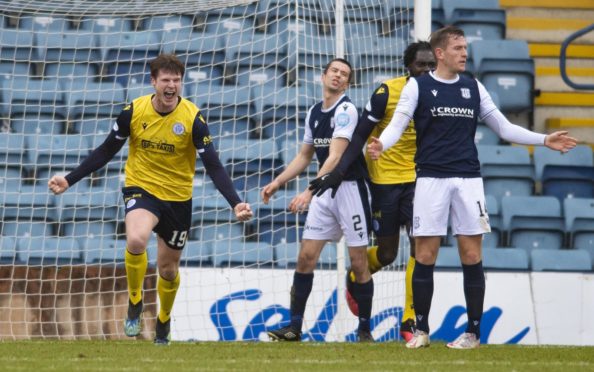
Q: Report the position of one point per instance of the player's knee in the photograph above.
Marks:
(306, 261)
(168, 271)
(470, 258)
(136, 244)
(359, 264)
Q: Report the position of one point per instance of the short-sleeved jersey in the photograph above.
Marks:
(397, 164)
(445, 118)
(162, 155)
(338, 121)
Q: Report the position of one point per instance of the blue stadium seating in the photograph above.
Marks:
(289, 150)
(560, 260)
(195, 48)
(65, 70)
(13, 151)
(57, 153)
(505, 67)
(18, 46)
(533, 222)
(243, 157)
(217, 231)
(485, 136)
(480, 19)
(581, 155)
(568, 181)
(244, 254)
(102, 249)
(8, 251)
(71, 46)
(225, 103)
(104, 26)
(33, 105)
(505, 259)
(448, 258)
(44, 22)
(282, 110)
(579, 222)
(383, 52)
(506, 170)
(287, 253)
(197, 253)
(11, 69)
(300, 55)
(49, 251)
(96, 101)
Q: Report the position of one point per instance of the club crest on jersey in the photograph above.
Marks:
(465, 93)
(178, 128)
(343, 119)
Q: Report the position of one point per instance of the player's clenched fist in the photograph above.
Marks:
(243, 211)
(58, 184)
(375, 148)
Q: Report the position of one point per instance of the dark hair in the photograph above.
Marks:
(341, 60)
(167, 62)
(439, 38)
(411, 51)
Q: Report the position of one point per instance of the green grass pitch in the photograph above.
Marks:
(267, 356)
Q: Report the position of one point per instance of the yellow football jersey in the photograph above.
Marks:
(396, 164)
(162, 156)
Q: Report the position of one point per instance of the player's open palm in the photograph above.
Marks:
(374, 148)
(58, 184)
(560, 141)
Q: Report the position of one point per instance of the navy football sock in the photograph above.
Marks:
(363, 293)
(300, 291)
(422, 284)
(474, 292)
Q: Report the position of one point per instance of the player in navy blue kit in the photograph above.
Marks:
(446, 106)
(329, 126)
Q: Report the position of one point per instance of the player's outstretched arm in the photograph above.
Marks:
(560, 141)
(58, 184)
(243, 212)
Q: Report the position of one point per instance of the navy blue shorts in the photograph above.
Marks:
(392, 207)
(174, 217)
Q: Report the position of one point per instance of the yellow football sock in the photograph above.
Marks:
(372, 262)
(135, 270)
(167, 291)
(409, 309)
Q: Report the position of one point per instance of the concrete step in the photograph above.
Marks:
(548, 78)
(573, 99)
(543, 113)
(548, 28)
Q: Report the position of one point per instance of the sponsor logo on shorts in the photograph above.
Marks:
(417, 222)
(313, 228)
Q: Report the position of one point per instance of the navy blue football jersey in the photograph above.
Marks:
(445, 120)
(338, 121)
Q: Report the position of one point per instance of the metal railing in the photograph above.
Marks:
(563, 58)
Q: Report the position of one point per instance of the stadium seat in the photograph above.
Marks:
(282, 110)
(448, 258)
(485, 136)
(579, 222)
(134, 91)
(301, 47)
(49, 251)
(8, 251)
(480, 19)
(360, 96)
(568, 181)
(581, 155)
(224, 25)
(33, 105)
(372, 78)
(243, 254)
(46, 23)
(169, 23)
(57, 153)
(225, 103)
(560, 260)
(95, 101)
(384, 53)
(127, 55)
(67, 46)
(364, 11)
(13, 151)
(70, 71)
(197, 79)
(204, 49)
(102, 249)
(533, 222)
(30, 210)
(269, 11)
(499, 258)
(11, 69)
(217, 231)
(197, 254)
(106, 26)
(17, 45)
(244, 157)
(505, 67)
(506, 170)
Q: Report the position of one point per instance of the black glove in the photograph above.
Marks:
(328, 181)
